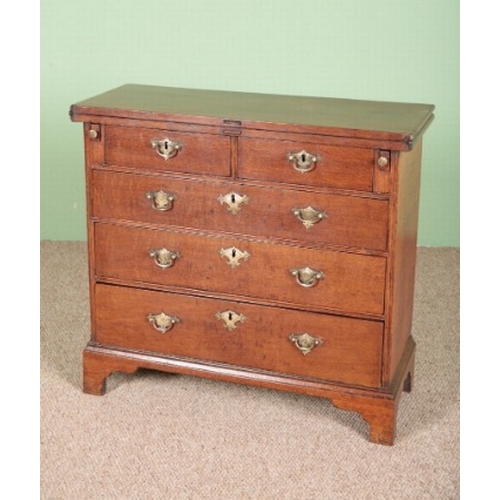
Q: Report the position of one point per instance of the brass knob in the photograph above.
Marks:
(304, 342)
(162, 322)
(93, 134)
(308, 216)
(163, 257)
(383, 161)
(307, 277)
(166, 148)
(161, 200)
(303, 161)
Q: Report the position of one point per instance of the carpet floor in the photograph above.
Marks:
(161, 436)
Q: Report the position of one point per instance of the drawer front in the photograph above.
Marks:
(199, 153)
(337, 167)
(349, 282)
(348, 221)
(343, 350)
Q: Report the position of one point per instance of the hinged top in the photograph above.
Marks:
(388, 121)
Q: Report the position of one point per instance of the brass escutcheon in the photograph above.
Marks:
(166, 148)
(161, 200)
(230, 318)
(307, 277)
(234, 255)
(308, 215)
(304, 342)
(162, 322)
(303, 161)
(233, 201)
(164, 257)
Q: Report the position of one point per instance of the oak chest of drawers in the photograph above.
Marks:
(261, 239)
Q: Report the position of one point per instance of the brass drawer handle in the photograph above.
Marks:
(162, 322)
(230, 318)
(163, 257)
(234, 255)
(304, 342)
(233, 201)
(306, 276)
(161, 200)
(166, 148)
(308, 216)
(303, 161)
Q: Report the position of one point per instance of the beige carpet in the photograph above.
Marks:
(160, 436)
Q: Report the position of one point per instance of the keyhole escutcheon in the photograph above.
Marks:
(230, 318)
(234, 256)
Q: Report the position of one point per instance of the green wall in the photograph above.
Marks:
(393, 50)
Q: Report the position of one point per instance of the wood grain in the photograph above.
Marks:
(399, 123)
(351, 221)
(340, 168)
(201, 153)
(350, 352)
(353, 283)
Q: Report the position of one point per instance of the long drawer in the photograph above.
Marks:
(137, 147)
(350, 221)
(304, 277)
(313, 345)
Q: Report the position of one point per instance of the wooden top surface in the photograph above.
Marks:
(370, 119)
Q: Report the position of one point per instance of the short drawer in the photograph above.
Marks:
(304, 277)
(288, 161)
(201, 153)
(306, 344)
(335, 220)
